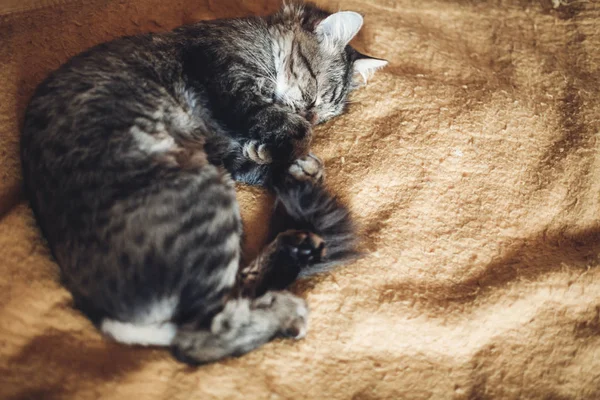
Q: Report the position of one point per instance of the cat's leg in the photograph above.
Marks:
(280, 263)
(169, 252)
(243, 325)
(255, 315)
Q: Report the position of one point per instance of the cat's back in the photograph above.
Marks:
(111, 72)
(87, 123)
(90, 104)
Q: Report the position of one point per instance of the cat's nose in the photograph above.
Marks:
(310, 117)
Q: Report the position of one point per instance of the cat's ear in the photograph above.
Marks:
(366, 66)
(339, 28)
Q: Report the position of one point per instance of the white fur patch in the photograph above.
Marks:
(149, 328)
(182, 121)
(282, 49)
(158, 143)
(145, 335)
(190, 98)
(158, 312)
(185, 94)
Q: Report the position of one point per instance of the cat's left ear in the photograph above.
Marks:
(339, 28)
(366, 66)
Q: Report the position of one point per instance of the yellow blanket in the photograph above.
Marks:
(471, 163)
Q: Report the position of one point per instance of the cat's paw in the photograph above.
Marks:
(287, 135)
(302, 247)
(297, 127)
(234, 315)
(291, 311)
(307, 168)
(259, 153)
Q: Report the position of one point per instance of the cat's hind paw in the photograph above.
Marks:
(290, 311)
(302, 246)
(257, 152)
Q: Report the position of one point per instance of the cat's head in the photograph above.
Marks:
(316, 68)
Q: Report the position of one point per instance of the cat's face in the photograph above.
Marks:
(316, 68)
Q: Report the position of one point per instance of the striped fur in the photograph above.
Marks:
(128, 154)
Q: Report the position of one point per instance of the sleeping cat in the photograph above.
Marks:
(128, 155)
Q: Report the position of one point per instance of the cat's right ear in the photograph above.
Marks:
(366, 66)
(338, 29)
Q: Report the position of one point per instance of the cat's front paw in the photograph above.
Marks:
(286, 135)
(307, 168)
(257, 152)
(297, 128)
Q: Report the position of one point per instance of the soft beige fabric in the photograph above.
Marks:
(471, 163)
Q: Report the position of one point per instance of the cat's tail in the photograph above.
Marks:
(309, 206)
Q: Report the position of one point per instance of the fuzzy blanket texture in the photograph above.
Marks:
(471, 163)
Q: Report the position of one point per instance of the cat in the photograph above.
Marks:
(129, 152)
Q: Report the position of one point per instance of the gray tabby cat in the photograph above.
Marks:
(128, 151)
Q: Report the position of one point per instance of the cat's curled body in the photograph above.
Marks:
(128, 151)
